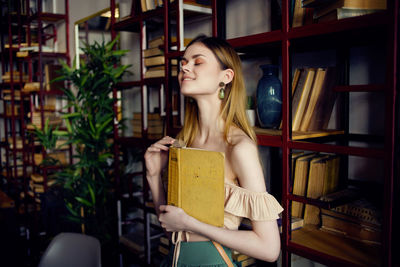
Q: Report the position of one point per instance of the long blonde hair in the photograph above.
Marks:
(233, 108)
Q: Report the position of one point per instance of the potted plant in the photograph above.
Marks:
(88, 182)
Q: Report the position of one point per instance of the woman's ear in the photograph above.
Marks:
(228, 75)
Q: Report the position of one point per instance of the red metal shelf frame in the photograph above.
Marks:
(387, 20)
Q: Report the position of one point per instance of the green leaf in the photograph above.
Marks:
(92, 195)
(84, 201)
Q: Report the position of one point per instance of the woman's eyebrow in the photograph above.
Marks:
(194, 56)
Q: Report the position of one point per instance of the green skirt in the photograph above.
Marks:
(201, 253)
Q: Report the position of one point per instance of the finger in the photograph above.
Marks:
(153, 149)
(162, 208)
(160, 146)
(166, 140)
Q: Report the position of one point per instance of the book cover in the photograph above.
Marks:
(300, 180)
(325, 102)
(322, 175)
(196, 183)
(313, 98)
(350, 4)
(350, 226)
(300, 97)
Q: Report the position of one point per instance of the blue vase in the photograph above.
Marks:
(269, 97)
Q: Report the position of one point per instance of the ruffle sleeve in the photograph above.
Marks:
(257, 206)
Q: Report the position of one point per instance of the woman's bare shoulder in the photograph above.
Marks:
(238, 138)
(245, 161)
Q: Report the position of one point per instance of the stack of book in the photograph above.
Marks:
(359, 219)
(31, 87)
(9, 109)
(242, 260)
(36, 183)
(327, 10)
(164, 246)
(18, 142)
(54, 120)
(154, 60)
(59, 156)
(155, 125)
(314, 175)
(7, 95)
(147, 5)
(6, 77)
(313, 98)
(51, 72)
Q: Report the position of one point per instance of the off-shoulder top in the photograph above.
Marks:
(239, 203)
(243, 203)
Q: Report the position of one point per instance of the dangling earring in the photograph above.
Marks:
(221, 93)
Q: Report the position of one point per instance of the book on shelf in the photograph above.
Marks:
(344, 13)
(159, 41)
(39, 187)
(246, 262)
(300, 97)
(323, 179)
(6, 77)
(159, 71)
(364, 224)
(312, 98)
(59, 156)
(157, 60)
(51, 72)
(295, 222)
(53, 119)
(37, 178)
(31, 87)
(22, 54)
(327, 8)
(6, 201)
(151, 52)
(34, 48)
(321, 111)
(9, 109)
(163, 249)
(165, 241)
(298, 14)
(237, 256)
(300, 179)
(155, 125)
(196, 183)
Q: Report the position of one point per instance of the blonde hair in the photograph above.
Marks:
(233, 108)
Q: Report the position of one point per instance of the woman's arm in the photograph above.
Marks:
(156, 158)
(263, 241)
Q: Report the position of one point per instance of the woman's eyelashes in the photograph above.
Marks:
(197, 61)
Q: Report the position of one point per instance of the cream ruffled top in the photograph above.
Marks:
(239, 203)
(243, 203)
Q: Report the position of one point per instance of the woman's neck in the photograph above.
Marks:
(210, 122)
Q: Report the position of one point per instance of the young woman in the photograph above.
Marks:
(215, 119)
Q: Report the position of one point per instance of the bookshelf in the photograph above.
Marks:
(282, 44)
(23, 98)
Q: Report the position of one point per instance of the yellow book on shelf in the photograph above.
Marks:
(313, 98)
(300, 97)
(196, 183)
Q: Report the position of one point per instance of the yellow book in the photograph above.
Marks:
(196, 183)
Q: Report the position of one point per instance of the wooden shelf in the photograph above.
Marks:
(350, 24)
(297, 135)
(337, 247)
(48, 17)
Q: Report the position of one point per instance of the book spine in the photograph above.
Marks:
(173, 178)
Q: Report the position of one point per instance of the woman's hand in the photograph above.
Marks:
(173, 219)
(156, 156)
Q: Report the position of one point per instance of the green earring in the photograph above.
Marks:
(221, 93)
